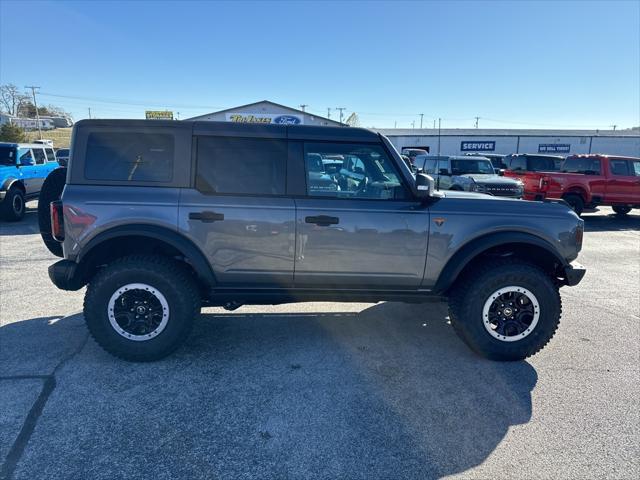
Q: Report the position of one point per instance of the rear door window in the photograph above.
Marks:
(129, 157)
(590, 166)
(243, 166)
(541, 164)
(619, 167)
(39, 156)
(51, 156)
(518, 163)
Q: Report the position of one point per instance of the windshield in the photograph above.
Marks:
(542, 164)
(7, 156)
(461, 167)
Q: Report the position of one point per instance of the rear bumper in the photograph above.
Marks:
(64, 275)
(573, 274)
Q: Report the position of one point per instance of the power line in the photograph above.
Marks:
(35, 104)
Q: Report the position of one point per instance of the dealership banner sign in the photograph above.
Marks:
(486, 146)
(554, 148)
(158, 115)
(277, 118)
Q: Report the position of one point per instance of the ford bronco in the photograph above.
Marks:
(159, 218)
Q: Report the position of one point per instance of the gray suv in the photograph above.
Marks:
(159, 218)
(469, 173)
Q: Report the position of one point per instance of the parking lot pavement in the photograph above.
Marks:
(322, 390)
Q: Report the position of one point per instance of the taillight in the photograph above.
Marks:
(57, 221)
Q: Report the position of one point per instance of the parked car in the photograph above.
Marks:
(159, 218)
(592, 180)
(62, 155)
(497, 160)
(23, 168)
(530, 170)
(471, 174)
(412, 153)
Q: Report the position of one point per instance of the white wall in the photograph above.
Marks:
(451, 144)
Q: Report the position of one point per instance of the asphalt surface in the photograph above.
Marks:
(322, 390)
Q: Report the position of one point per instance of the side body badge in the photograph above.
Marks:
(439, 221)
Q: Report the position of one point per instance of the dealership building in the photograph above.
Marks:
(453, 141)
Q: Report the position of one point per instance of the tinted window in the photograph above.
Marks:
(461, 167)
(51, 157)
(581, 165)
(619, 167)
(636, 168)
(63, 152)
(7, 156)
(25, 155)
(367, 172)
(129, 157)
(39, 156)
(518, 163)
(541, 164)
(249, 166)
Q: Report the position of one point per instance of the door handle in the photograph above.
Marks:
(206, 216)
(322, 220)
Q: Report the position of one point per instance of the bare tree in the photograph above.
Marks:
(11, 100)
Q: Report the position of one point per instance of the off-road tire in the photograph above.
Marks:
(620, 210)
(575, 201)
(166, 275)
(13, 206)
(469, 294)
(50, 192)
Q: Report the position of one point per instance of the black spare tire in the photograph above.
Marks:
(50, 192)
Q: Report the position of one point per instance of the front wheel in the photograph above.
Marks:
(505, 310)
(621, 210)
(142, 307)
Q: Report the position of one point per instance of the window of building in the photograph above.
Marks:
(242, 166)
(129, 157)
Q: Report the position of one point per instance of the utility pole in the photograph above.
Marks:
(35, 104)
(413, 124)
(341, 109)
(421, 115)
(303, 106)
(434, 123)
(89, 113)
(614, 127)
(439, 124)
(477, 119)
(395, 124)
(328, 112)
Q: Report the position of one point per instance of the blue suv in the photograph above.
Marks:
(23, 168)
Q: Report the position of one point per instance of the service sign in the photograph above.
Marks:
(158, 115)
(475, 146)
(275, 118)
(554, 148)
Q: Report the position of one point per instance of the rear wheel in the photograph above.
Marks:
(141, 308)
(575, 201)
(13, 206)
(621, 210)
(51, 191)
(506, 311)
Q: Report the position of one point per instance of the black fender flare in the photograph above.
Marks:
(475, 247)
(189, 250)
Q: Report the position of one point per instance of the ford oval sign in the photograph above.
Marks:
(287, 120)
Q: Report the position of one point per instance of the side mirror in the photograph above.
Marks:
(424, 185)
(501, 172)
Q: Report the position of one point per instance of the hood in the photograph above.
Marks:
(493, 179)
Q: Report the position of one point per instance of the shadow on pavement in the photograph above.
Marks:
(389, 392)
(612, 222)
(27, 226)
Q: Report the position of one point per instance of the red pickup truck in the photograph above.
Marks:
(587, 181)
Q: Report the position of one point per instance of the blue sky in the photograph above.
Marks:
(513, 64)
